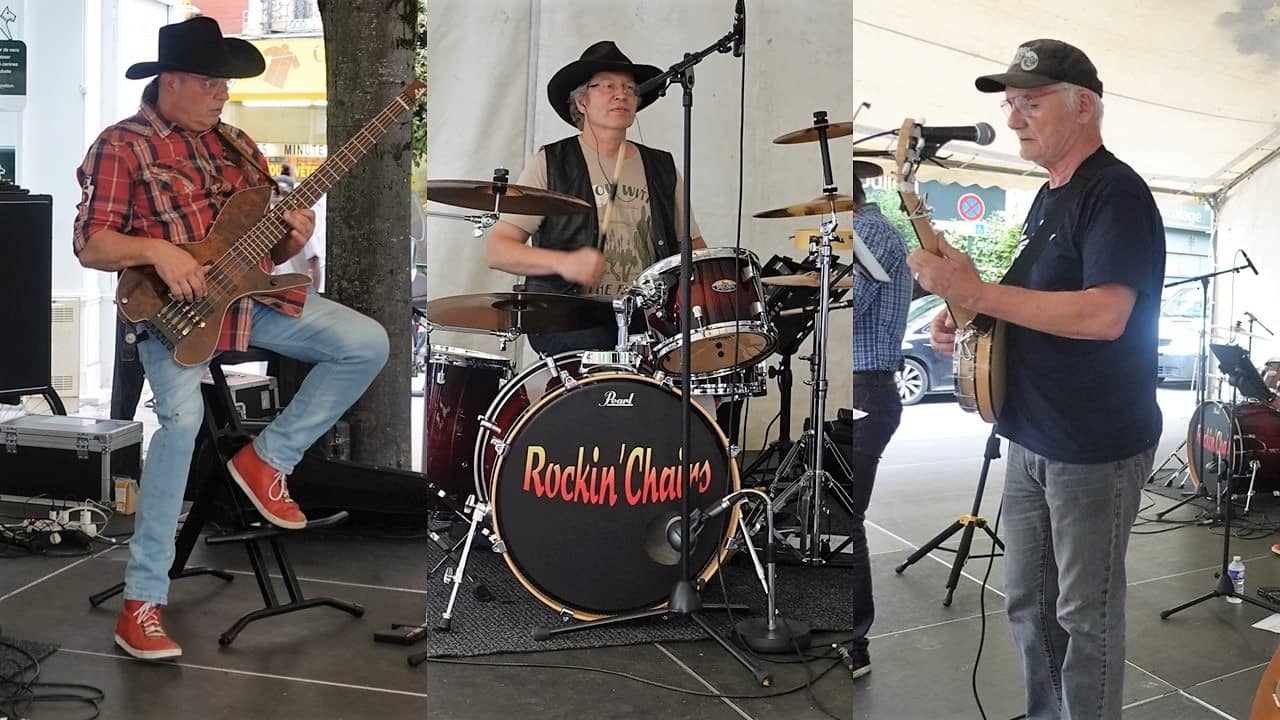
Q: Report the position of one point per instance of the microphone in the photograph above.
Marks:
(739, 28)
(697, 519)
(980, 134)
(1251, 265)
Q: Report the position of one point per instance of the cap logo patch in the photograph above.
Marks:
(1026, 59)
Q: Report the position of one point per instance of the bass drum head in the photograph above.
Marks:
(588, 485)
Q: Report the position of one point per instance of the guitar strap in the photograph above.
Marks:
(240, 148)
(1020, 270)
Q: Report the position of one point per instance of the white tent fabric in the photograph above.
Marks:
(1191, 87)
(489, 66)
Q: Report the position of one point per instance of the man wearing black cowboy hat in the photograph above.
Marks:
(157, 180)
(1080, 408)
(643, 202)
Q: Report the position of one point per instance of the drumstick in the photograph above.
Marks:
(617, 171)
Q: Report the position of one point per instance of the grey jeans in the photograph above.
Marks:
(1066, 529)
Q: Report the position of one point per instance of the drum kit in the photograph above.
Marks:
(1236, 441)
(572, 467)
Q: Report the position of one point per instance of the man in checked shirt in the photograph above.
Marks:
(157, 180)
(879, 324)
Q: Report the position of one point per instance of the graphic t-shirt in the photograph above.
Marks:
(628, 244)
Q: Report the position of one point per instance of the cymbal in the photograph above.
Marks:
(809, 279)
(820, 205)
(521, 312)
(810, 134)
(520, 199)
(1227, 330)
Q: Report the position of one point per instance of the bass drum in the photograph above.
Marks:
(589, 482)
(1237, 436)
(516, 397)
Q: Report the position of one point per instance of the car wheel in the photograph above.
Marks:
(913, 382)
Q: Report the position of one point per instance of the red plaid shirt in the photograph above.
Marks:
(145, 176)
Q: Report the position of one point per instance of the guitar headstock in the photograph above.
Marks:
(907, 155)
(413, 92)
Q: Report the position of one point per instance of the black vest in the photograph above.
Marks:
(567, 173)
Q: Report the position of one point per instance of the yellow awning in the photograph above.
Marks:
(295, 71)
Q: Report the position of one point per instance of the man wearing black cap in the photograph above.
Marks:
(157, 180)
(1080, 407)
(641, 196)
(879, 324)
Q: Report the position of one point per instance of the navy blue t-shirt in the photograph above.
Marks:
(1091, 401)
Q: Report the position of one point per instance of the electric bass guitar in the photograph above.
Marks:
(978, 361)
(241, 237)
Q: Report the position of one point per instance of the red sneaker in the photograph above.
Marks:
(266, 488)
(139, 632)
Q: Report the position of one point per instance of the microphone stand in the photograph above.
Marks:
(1202, 375)
(685, 601)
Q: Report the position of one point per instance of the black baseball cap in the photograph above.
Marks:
(1044, 62)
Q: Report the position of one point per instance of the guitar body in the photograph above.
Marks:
(978, 365)
(1266, 701)
(191, 330)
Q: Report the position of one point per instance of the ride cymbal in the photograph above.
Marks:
(818, 206)
(810, 134)
(519, 199)
(521, 312)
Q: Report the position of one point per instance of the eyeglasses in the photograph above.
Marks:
(211, 84)
(612, 88)
(1025, 104)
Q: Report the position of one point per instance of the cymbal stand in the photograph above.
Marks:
(808, 489)
(485, 220)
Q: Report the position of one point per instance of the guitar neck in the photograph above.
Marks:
(256, 244)
(906, 158)
(931, 242)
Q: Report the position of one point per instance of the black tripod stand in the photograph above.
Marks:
(1224, 586)
(966, 523)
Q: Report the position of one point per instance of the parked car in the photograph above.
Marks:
(924, 370)
(1179, 333)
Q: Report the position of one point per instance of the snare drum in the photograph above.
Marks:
(730, 327)
(460, 383)
(736, 383)
(587, 485)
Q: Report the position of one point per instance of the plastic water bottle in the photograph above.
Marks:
(1236, 572)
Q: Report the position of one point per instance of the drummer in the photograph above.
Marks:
(635, 190)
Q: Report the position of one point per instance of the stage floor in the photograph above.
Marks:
(1202, 663)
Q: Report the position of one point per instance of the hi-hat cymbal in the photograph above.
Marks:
(810, 134)
(520, 312)
(818, 206)
(520, 199)
(809, 279)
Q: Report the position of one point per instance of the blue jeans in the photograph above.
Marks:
(348, 350)
(871, 434)
(1066, 533)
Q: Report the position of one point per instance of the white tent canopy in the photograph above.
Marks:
(1191, 87)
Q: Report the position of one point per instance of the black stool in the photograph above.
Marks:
(224, 433)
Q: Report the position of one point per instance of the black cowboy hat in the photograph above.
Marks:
(197, 46)
(604, 56)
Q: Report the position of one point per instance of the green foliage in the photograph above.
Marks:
(991, 251)
(420, 71)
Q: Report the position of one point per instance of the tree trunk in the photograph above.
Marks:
(369, 50)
